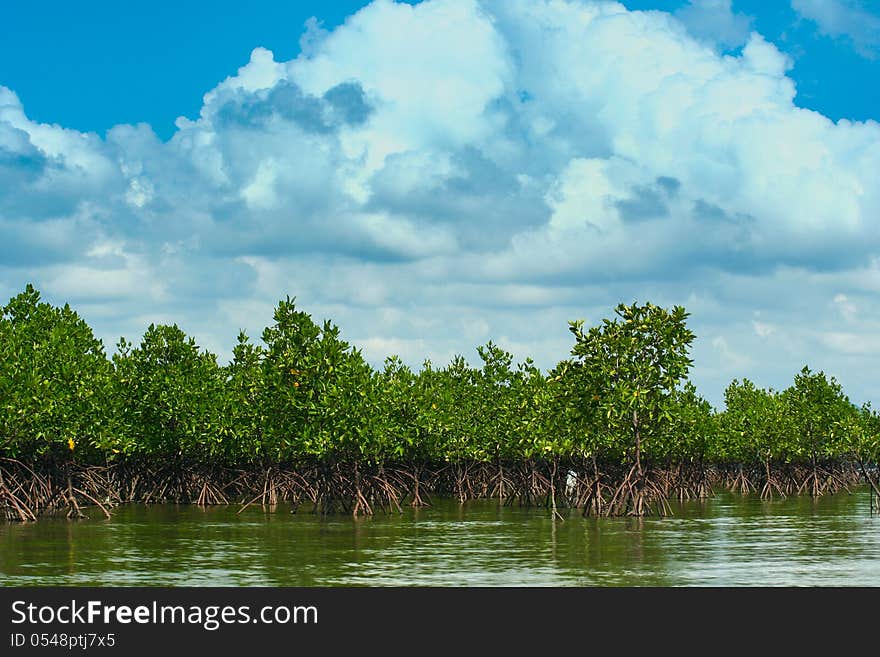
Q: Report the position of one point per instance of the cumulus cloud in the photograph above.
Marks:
(715, 21)
(848, 19)
(433, 176)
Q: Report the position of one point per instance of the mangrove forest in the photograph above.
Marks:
(301, 418)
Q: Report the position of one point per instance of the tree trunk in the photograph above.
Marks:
(638, 442)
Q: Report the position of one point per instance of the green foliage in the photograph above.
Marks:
(403, 435)
(817, 412)
(752, 427)
(691, 428)
(54, 381)
(495, 394)
(244, 404)
(320, 396)
(449, 405)
(861, 435)
(543, 430)
(628, 370)
(306, 394)
(168, 396)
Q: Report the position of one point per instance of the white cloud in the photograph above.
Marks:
(430, 69)
(852, 343)
(260, 192)
(729, 356)
(261, 72)
(762, 329)
(848, 310)
(715, 21)
(139, 193)
(433, 176)
(849, 19)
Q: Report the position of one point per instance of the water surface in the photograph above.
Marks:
(727, 540)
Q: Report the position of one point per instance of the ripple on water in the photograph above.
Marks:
(724, 541)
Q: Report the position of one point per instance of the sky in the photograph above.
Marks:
(434, 175)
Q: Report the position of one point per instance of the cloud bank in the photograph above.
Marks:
(434, 176)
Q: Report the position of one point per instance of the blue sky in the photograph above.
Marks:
(438, 174)
(92, 65)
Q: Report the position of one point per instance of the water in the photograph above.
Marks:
(727, 540)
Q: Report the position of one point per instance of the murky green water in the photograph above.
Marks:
(727, 540)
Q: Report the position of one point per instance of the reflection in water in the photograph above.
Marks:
(724, 541)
